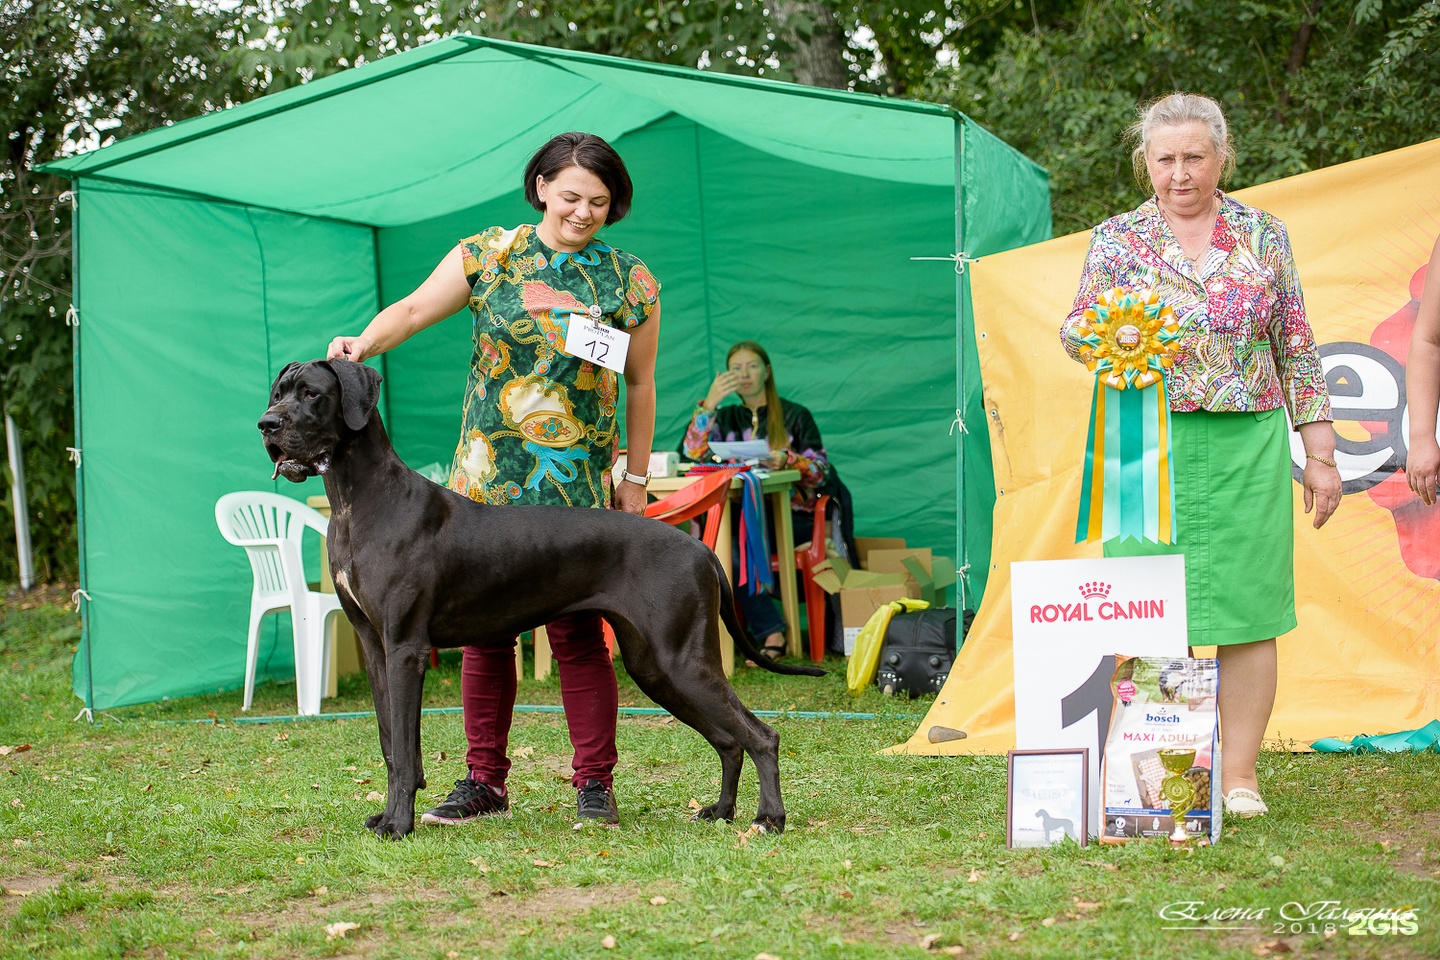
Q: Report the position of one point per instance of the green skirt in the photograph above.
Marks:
(1234, 514)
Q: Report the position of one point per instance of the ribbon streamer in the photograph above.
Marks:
(1129, 338)
(754, 574)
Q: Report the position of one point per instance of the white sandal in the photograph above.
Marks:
(1244, 804)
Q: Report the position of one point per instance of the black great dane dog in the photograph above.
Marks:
(416, 565)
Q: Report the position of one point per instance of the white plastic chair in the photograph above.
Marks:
(270, 527)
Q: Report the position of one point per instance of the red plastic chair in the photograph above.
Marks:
(706, 495)
(806, 557)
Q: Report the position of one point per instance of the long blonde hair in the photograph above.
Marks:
(774, 415)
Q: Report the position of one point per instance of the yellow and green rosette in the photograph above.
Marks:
(1128, 338)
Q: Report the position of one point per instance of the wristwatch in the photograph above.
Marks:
(636, 478)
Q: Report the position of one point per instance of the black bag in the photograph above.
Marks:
(917, 652)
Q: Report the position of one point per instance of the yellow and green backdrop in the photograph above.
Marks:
(1364, 659)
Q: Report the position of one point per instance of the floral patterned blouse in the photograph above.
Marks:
(1245, 343)
(538, 425)
(739, 422)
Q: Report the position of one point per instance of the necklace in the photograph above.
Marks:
(594, 309)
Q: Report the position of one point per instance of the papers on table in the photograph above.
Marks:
(740, 449)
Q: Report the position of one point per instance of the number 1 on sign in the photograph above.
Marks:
(597, 343)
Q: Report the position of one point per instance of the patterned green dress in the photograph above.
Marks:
(538, 425)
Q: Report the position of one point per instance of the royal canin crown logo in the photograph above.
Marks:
(1094, 590)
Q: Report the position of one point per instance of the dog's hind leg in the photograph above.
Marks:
(732, 755)
(734, 731)
(764, 750)
(659, 684)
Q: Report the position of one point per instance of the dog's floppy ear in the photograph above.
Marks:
(359, 391)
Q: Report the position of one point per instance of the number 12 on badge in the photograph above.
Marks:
(597, 343)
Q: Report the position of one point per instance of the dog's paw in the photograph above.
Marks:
(386, 828)
(390, 830)
(770, 824)
(712, 813)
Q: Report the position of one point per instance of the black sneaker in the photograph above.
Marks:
(595, 801)
(470, 799)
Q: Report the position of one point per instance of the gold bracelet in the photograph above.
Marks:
(1311, 456)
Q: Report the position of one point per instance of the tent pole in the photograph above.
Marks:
(17, 499)
(81, 596)
(962, 289)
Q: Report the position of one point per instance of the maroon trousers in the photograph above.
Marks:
(587, 689)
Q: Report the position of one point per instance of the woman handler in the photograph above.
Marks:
(538, 426)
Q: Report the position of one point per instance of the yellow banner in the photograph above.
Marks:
(1363, 659)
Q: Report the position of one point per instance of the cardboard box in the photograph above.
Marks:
(863, 546)
(858, 604)
(929, 577)
(893, 561)
(861, 593)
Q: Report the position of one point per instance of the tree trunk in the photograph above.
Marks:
(1299, 47)
(819, 59)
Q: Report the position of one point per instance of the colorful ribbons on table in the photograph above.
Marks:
(1128, 338)
(754, 572)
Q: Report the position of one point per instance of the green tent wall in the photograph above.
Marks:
(212, 252)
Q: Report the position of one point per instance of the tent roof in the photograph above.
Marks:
(349, 147)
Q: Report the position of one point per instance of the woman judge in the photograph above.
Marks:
(794, 442)
(1246, 351)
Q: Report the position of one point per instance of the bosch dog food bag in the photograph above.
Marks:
(1162, 753)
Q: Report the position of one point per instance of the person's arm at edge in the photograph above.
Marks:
(1422, 387)
(444, 293)
(639, 409)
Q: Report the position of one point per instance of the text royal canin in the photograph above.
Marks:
(1105, 610)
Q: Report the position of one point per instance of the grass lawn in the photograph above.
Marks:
(168, 830)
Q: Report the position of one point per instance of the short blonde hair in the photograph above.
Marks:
(1172, 111)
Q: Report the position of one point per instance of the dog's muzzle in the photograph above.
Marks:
(292, 468)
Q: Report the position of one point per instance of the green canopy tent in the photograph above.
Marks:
(210, 253)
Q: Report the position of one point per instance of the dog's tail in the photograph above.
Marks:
(742, 637)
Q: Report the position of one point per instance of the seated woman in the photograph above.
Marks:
(795, 444)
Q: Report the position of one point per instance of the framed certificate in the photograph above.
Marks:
(1047, 797)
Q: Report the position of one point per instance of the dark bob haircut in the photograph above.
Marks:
(588, 152)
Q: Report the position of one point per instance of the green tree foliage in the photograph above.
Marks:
(77, 74)
(1305, 84)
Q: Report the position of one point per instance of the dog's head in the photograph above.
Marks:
(314, 405)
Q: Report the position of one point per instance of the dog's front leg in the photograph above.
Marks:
(405, 663)
(372, 651)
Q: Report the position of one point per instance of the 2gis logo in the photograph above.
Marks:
(1384, 923)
